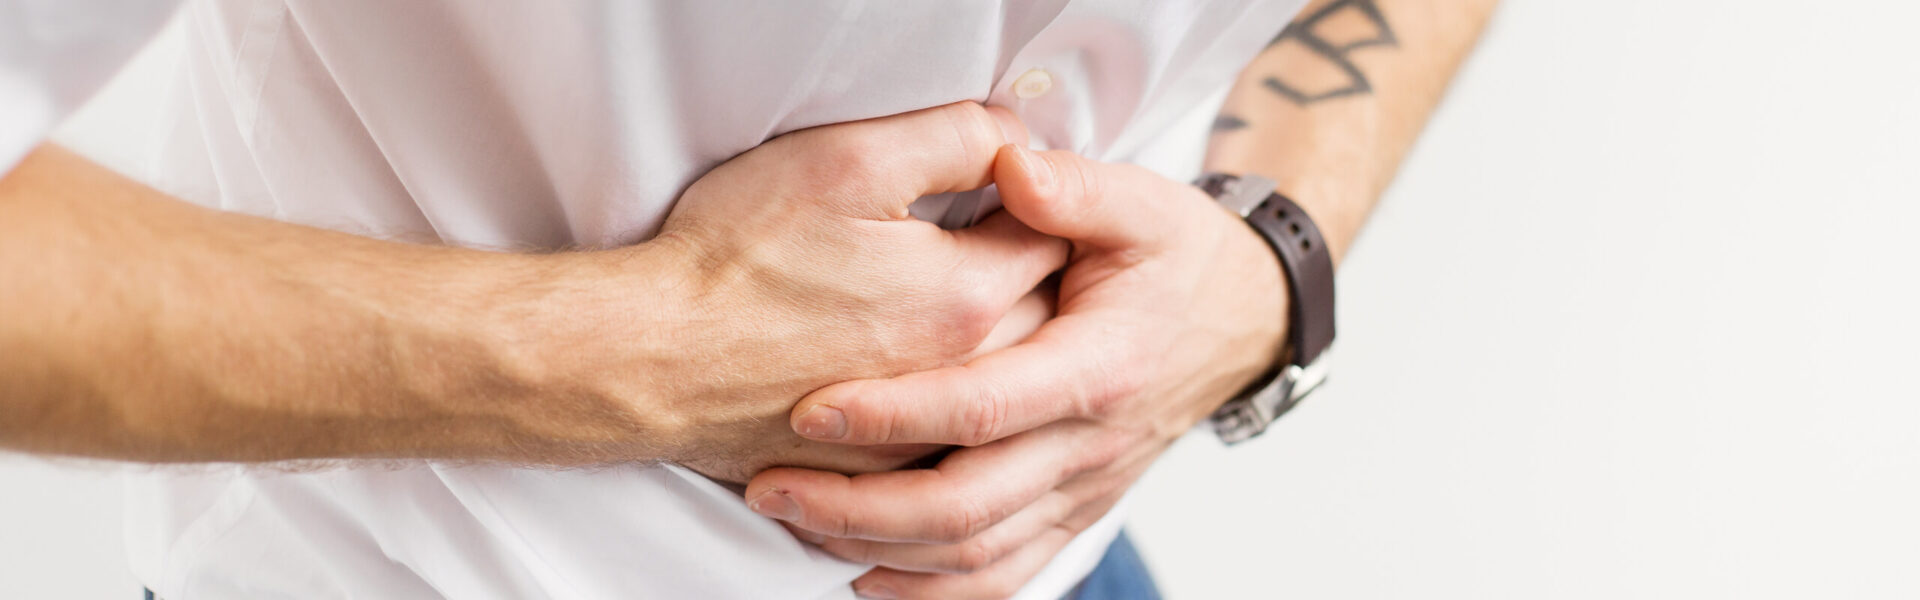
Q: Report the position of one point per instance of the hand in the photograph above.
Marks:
(801, 267)
(1169, 306)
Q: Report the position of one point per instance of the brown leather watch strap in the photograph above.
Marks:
(1303, 254)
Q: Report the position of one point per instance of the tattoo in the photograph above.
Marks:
(1306, 33)
(1226, 123)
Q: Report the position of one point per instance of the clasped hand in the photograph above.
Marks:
(1167, 306)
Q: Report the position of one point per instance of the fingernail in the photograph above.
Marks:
(823, 422)
(1041, 169)
(774, 503)
(876, 591)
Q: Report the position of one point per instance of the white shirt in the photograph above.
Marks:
(517, 125)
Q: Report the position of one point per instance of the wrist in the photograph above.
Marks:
(1305, 257)
(1262, 295)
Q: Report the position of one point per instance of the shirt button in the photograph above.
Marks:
(1032, 84)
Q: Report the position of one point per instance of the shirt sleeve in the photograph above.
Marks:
(54, 54)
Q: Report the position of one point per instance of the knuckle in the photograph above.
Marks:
(1077, 175)
(846, 159)
(977, 134)
(951, 528)
(1092, 186)
(1114, 383)
(974, 555)
(886, 425)
(968, 518)
(1096, 399)
(1100, 399)
(852, 147)
(986, 414)
(972, 313)
(835, 524)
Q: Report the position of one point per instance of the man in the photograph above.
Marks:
(623, 275)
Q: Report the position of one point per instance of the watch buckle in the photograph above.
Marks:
(1246, 193)
(1249, 414)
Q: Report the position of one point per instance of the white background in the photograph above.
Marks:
(1638, 320)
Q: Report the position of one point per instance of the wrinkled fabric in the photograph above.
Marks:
(539, 125)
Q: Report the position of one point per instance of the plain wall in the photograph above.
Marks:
(1637, 320)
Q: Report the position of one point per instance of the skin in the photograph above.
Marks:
(1168, 307)
(142, 328)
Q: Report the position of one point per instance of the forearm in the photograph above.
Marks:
(1331, 107)
(139, 327)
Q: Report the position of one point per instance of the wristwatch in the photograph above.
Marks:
(1308, 265)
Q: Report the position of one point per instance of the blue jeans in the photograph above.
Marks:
(1121, 575)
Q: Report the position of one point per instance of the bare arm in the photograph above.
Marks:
(139, 327)
(1333, 104)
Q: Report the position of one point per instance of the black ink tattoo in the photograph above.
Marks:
(1226, 123)
(1304, 32)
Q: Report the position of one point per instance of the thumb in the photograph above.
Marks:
(884, 164)
(1103, 205)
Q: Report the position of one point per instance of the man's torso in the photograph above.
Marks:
(577, 124)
